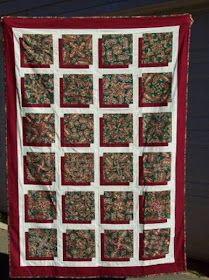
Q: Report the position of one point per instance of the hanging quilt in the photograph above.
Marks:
(96, 111)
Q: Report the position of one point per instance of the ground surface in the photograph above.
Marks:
(4, 272)
(197, 270)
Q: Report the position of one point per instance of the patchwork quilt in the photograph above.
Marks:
(96, 111)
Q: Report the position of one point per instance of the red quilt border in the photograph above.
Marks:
(184, 21)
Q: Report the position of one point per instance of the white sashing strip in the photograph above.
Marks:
(94, 108)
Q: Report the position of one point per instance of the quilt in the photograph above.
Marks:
(96, 112)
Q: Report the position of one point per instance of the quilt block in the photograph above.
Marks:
(96, 111)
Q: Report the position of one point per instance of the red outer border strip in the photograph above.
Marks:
(184, 21)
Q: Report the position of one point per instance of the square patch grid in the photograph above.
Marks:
(100, 100)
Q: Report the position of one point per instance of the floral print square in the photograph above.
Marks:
(117, 49)
(37, 50)
(156, 206)
(78, 168)
(37, 90)
(116, 90)
(77, 90)
(77, 50)
(156, 88)
(116, 129)
(157, 128)
(117, 207)
(78, 129)
(79, 207)
(156, 168)
(79, 245)
(40, 206)
(157, 48)
(38, 129)
(41, 244)
(155, 243)
(39, 168)
(117, 168)
(118, 245)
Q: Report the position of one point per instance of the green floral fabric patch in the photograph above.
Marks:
(156, 167)
(118, 206)
(37, 49)
(157, 128)
(78, 89)
(42, 243)
(157, 48)
(118, 244)
(77, 49)
(79, 206)
(80, 244)
(117, 128)
(117, 49)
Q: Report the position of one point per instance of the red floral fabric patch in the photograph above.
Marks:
(40, 206)
(78, 168)
(157, 128)
(39, 129)
(37, 49)
(77, 90)
(118, 244)
(78, 129)
(155, 89)
(116, 90)
(76, 49)
(39, 168)
(117, 168)
(41, 244)
(37, 90)
(157, 48)
(117, 49)
(117, 207)
(79, 245)
(116, 129)
(156, 207)
(155, 243)
(79, 207)
(156, 168)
